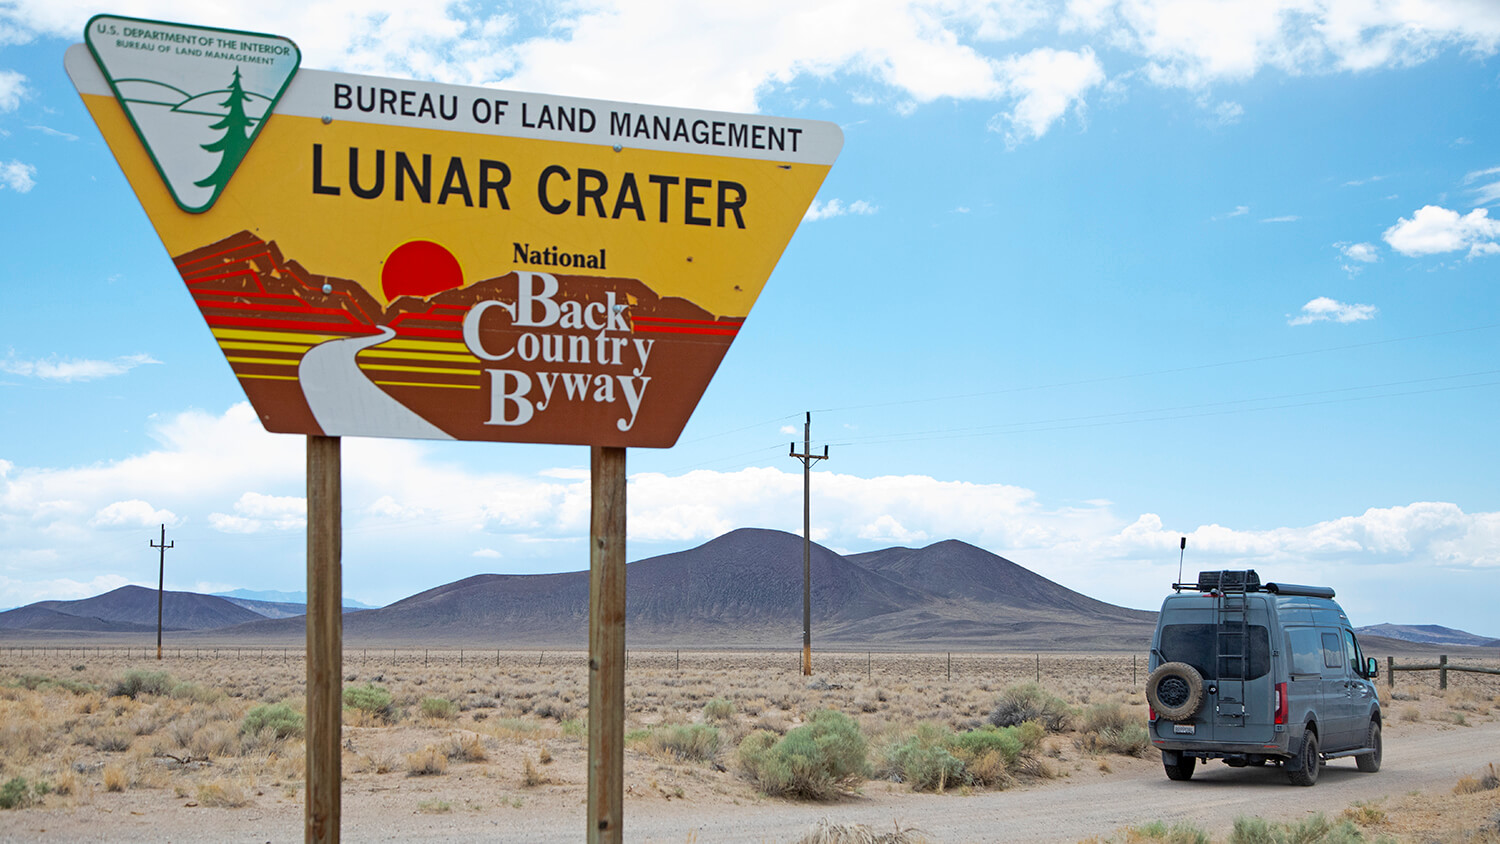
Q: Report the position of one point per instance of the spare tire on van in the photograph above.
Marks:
(1175, 690)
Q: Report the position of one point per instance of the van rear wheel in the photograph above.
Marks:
(1180, 772)
(1175, 690)
(1303, 770)
(1370, 762)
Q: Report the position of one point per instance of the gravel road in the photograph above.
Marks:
(1432, 760)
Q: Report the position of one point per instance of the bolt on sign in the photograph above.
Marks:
(391, 258)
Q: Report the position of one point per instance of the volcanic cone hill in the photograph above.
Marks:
(127, 609)
(744, 590)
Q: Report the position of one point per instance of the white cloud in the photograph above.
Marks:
(13, 89)
(1324, 309)
(1356, 255)
(1287, 218)
(132, 513)
(74, 370)
(837, 208)
(255, 512)
(49, 131)
(22, 592)
(1239, 211)
(1191, 44)
(1433, 230)
(1365, 253)
(1045, 83)
(487, 554)
(885, 530)
(1488, 192)
(1229, 112)
(18, 176)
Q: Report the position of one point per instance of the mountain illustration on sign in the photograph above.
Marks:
(234, 143)
(325, 355)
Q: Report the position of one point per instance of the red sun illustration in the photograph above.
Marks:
(419, 268)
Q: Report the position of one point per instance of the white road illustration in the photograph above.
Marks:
(347, 403)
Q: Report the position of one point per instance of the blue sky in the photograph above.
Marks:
(1087, 277)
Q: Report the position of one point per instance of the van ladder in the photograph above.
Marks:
(1232, 645)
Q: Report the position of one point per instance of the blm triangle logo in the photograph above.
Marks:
(197, 96)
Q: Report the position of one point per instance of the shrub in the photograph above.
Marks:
(195, 693)
(1110, 728)
(465, 747)
(1030, 702)
(719, 709)
(685, 743)
(137, 682)
(924, 762)
(115, 778)
(373, 700)
(15, 794)
(278, 719)
(436, 707)
(934, 757)
(811, 761)
(1180, 833)
(1313, 830)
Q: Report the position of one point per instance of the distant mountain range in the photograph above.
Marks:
(741, 590)
(1428, 634)
(273, 604)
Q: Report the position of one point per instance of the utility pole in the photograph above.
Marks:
(161, 579)
(807, 458)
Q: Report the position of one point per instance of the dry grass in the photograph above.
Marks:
(524, 724)
(223, 794)
(828, 832)
(1486, 780)
(426, 762)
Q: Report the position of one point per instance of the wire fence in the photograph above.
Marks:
(830, 665)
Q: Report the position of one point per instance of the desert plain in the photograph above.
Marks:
(104, 743)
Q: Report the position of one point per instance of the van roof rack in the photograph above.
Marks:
(1245, 580)
(1248, 581)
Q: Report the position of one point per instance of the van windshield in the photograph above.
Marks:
(1215, 650)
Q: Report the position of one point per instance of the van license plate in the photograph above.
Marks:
(1184, 729)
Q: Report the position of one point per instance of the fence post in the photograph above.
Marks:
(950, 665)
(1390, 672)
(1443, 671)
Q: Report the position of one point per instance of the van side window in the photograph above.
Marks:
(1333, 652)
(1351, 653)
(1306, 650)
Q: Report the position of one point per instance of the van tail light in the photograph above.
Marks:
(1281, 706)
(1151, 713)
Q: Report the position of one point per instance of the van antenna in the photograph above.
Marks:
(1181, 549)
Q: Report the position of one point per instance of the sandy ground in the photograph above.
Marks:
(1429, 746)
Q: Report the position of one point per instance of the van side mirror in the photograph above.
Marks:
(1372, 667)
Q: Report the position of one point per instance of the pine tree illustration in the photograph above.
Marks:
(234, 142)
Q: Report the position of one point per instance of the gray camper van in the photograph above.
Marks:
(1255, 673)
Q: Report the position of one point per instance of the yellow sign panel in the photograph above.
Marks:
(396, 258)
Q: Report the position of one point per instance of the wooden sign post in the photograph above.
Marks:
(606, 646)
(325, 639)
